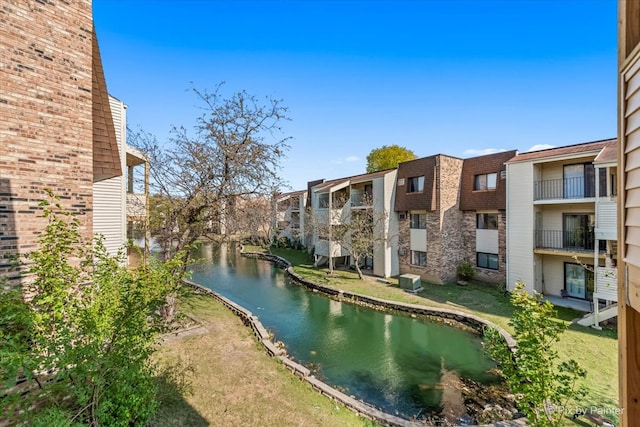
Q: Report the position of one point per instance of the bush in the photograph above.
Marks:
(87, 335)
(541, 384)
(466, 271)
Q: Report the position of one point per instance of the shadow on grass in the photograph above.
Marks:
(173, 409)
(481, 297)
(605, 332)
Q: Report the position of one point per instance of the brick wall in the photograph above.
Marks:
(445, 249)
(45, 116)
(469, 243)
(448, 190)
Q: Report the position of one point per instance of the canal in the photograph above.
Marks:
(394, 362)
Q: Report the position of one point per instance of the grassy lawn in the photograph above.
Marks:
(595, 351)
(234, 381)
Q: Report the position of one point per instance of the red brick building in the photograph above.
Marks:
(452, 210)
(56, 129)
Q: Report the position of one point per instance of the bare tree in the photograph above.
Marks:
(252, 219)
(359, 230)
(234, 153)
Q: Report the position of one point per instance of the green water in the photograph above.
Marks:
(393, 362)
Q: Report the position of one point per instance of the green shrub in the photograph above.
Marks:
(542, 384)
(89, 330)
(466, 271)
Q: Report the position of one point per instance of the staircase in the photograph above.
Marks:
(605, 314)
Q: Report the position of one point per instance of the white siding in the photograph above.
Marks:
(520, 223)
(418, 239)
(379, 204)
(487, 241)
(629, 115)
(552, 171)
(632, 166)
(606, 219)
(553, 274)
(385, 258)
(392, 246)
(607, 283)
(109, 209)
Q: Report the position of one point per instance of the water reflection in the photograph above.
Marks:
(393, 362)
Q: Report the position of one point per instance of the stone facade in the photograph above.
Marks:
(443, 233)
(451, 204)
(448, 178)
(53, 118)
(469, 243)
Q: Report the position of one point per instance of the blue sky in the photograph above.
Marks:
(462, 78)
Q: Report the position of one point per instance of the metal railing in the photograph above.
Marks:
(567, 188)
(579, 239)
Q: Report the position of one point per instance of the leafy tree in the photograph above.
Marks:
(198, 180)
(542, 384)
(86, 335)
(388, 157)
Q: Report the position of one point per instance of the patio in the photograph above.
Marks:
(574, 303)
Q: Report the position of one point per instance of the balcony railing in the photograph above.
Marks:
(361, 199)
(574, 240)
(568, 188)
(136, 206)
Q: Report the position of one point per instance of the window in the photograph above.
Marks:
(419, 258)
(484, 260)
(323, 200)
(607, 177)
(487, 221)
(602, 182)
(578, 281)
(485, 181)
(416, 184)
(579, 181)
(579, 231)
(418, 221)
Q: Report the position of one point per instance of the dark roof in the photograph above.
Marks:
(471, 199)
(424, 166)
(562, 151)
(283, 196)
(326, 185)
(609, 153)
(106, 157)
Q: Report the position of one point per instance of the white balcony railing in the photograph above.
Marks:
(136, 206)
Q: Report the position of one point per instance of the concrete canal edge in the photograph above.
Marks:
(304, 373)
(474, 322)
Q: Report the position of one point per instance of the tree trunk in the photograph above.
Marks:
(357, 264)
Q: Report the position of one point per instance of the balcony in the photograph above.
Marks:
(136, 206)
(563, 189)
(575, 241)
(361, 199)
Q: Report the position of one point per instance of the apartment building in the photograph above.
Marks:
(56, 124)
(289, 216)
(332, 203)
(561, 222)
(120, 201)
(451, 210)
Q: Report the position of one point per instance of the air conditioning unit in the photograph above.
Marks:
(410, 282)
